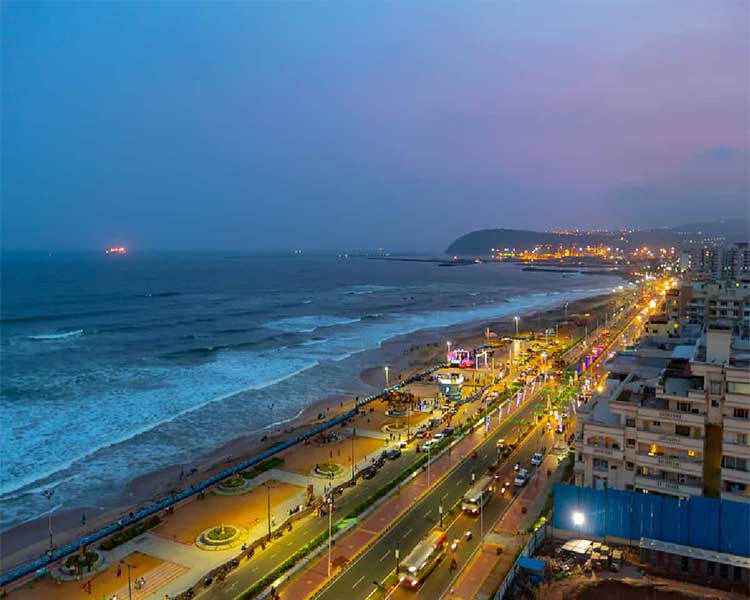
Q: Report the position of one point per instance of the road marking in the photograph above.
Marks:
(443, 496)
(427, 513)
(459, 482)
(382, 558)
(358, 581)
(407, 533)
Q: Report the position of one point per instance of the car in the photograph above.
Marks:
(522, 478)
(448, 431)
(421, 434)
(427, 445)
(369, 472)
(437, 437)
(501, 444)
(394, 453)
(537, 459)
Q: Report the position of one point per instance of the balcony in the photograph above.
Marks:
(740, 450)
(663, 486)
(603, 452)
(689, 466)
(735, 496)
(674, 441)
(674, 416)
(737, 400)
(735, 475)
(735, 424)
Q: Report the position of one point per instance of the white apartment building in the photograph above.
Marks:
(679, 428)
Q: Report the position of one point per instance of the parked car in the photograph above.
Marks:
(522, 478)
(394, 453)
(437, 437)
(427, 445)
(537, 459)
(448, 431)
(369, 472)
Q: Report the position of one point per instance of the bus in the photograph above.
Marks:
(478, 495)
(420, 562)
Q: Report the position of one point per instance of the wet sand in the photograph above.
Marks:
(404, 355)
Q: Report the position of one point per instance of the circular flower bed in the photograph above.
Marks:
(327, 469)
(78, 561)
(222, 533)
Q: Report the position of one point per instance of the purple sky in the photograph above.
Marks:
(266, 126)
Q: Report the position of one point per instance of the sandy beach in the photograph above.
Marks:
(404, 355)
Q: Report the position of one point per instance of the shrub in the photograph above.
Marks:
(128, 534)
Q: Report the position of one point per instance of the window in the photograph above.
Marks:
(683, 430)
(714, 403)
(656, 423)
(600, 464)
(740, 438)
(716, 387)
(684, 406)
(630, 442)
(629, 466)
(692, 453)
(630, 422)
(741, 413)
(735, 462)
(738, 387)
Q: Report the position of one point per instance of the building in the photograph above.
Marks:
(717, 262)
(701, 304)
(672, 420)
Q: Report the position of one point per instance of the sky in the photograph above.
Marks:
(270, 126)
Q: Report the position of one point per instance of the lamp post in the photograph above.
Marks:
(578, 521)
(516, 319)
(268, 503)
(440, 511)
(449, 350)
(330, 522)
(129, 567)
(48, 494)
(386, 377)
(397, 553)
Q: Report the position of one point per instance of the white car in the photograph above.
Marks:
(537, 459)
(437, 437)
(522, 478)
(427, 445)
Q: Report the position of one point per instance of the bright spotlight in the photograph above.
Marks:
(577, 519)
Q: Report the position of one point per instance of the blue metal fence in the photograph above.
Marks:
(47, 559)
(710, 523)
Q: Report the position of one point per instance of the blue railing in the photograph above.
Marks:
(68, 549)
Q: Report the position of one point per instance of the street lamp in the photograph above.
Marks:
(449, 350)
(440, 510)
(516, 319)
(48, 494)
(397, 553)
(578, 520)
(386, 376)
(129, 566)
(330, 521)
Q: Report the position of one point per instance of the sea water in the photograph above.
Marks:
(115, 366)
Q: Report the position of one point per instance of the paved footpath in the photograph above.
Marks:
(487, 569)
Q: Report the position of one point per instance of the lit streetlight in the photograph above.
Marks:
(516, 319)
(386, 377)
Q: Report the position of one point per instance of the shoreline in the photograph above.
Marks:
(405, 354)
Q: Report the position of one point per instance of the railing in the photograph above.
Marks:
(539, 535)
(154, 508)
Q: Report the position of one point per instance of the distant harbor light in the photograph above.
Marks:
(116, 250)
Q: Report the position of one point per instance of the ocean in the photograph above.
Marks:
(116, 366)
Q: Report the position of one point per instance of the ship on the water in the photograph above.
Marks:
(116, 250)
